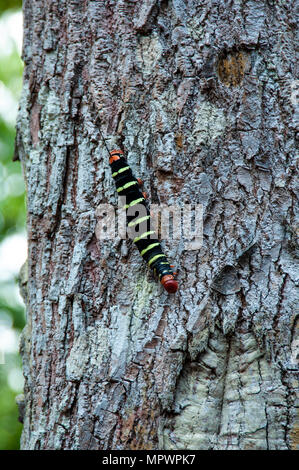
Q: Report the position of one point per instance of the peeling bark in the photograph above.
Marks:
(200, 94)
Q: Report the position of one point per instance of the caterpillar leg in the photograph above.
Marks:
(174, 273)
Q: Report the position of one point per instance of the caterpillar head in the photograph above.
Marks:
(169, 283)
(115, 155)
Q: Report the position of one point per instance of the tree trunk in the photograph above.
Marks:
(201, 96)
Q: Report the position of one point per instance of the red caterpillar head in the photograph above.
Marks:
(115, 155)
(169, 283)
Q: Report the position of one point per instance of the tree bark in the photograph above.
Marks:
(201, 96)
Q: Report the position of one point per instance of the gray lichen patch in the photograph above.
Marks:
(209, 123)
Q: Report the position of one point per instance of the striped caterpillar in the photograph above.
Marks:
(150, 249)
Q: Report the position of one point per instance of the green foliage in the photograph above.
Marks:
(11, 71)
(10, 427)
(16, 312)
(12, 220)
(12, 201)
(10, 5)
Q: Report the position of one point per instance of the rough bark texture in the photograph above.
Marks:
(200, 94)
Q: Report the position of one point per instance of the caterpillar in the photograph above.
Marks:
(147, 243)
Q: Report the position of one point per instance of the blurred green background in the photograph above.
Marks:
(12, 224)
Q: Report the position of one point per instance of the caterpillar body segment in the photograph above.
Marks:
(146, 241)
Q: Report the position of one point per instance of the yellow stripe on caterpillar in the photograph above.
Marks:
(138, 221)
(126, 186)
(163, 272)
(155, 258)
(133, 203)
(149, 248)
(145, 234)
(120, 171)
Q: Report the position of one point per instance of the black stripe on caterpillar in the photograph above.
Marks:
(147, 244)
